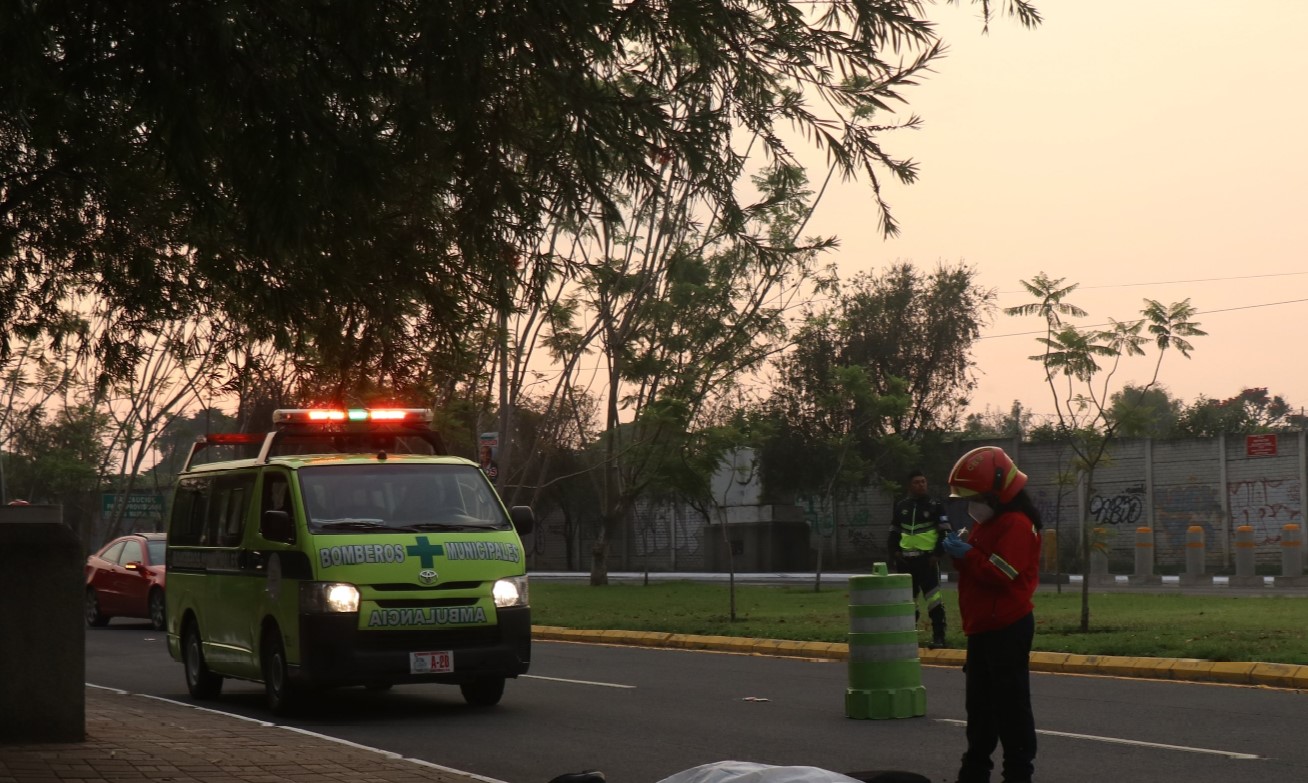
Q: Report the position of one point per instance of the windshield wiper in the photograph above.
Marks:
(449, 526)
(351, 524)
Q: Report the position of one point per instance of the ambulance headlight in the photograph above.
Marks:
(510, 592)
(328, 597)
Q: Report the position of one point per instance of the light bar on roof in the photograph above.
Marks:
(333, 415)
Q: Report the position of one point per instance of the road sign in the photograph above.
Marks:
(136, 505)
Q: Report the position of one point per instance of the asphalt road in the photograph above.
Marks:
(640, 715)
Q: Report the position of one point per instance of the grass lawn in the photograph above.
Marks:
(1272, 629)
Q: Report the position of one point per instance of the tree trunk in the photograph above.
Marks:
(599, 569)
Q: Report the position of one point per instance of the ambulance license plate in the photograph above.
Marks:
(433, 662)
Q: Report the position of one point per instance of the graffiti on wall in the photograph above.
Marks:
(862, 538)
(1265, 505)
(1183, 505)
(666, 529)
(854, 539)
(1126, 508)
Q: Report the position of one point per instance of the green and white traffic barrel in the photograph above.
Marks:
(885, 673)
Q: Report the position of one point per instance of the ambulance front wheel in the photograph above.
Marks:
(202, 683)
(283, 695)
(483, 692)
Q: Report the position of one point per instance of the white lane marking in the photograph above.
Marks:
(575, 682)
(1138, 743)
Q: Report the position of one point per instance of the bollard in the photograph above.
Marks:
(1291, 555)
(1194, 555)
(1144, 558)
(1244, 559)
(1099, 558)
(1049, 550)
(885, 673)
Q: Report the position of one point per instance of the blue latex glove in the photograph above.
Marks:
(954, 546)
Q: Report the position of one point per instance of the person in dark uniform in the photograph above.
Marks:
(916, 533)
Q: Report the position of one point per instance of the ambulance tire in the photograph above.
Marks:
(200, 682)
(283, 695)
(92, 610)
(484, 691)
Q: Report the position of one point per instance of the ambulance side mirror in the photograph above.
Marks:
(524, 519)
(276, 526)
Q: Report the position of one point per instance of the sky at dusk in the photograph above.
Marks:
(1140, 148)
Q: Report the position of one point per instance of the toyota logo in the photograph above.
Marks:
(428, 576)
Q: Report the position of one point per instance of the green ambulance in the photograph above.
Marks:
(349, 550)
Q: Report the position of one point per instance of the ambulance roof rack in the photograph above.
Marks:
(344, 431)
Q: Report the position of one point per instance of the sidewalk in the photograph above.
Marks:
(137, 738)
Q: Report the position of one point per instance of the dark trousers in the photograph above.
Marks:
(999, 703)
(926, 580)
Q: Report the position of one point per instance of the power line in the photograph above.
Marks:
(1175, 282)
(1197, 312)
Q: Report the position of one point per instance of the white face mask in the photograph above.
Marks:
(979, 511)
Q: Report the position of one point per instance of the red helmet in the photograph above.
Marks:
(987, 470)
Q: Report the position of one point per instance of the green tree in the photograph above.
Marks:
(54, 459)
(993, 424)
(1080, 386)
(340, 177)
(1144, 413)
(915, 330)
(1249, 412)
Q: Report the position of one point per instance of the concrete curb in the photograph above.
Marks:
(1275, 675)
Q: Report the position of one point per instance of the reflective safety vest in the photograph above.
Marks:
(918, 521)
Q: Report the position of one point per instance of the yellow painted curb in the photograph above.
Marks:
(1186, 669)
(1280, 675)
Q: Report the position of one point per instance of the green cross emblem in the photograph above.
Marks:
(425, 551)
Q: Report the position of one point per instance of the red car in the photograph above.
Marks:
(126, 579)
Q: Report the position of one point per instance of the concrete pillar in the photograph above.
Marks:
(1194, 557)
(1099, 558)
(43, 644)
(1144, 558)
(1244, 559)
(1051, 570)
(1291, 556)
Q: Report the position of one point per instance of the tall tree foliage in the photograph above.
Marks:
(1144, 413)
(348, 175)
(868, 376)
(1251, 411)
(904, 326)
(1080, 385)
(678, 311)
(890, 358)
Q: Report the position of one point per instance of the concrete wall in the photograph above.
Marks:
(1215, 483)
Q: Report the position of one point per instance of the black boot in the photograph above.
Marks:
(974, 771)
(937, 630)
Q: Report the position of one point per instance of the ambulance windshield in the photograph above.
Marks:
(389, 497)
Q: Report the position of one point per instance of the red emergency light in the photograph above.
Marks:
(231, 438)
(286, 416)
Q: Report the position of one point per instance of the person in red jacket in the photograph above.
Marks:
(998, 570)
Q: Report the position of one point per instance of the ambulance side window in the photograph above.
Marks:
(190, 503)
(228, 507)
